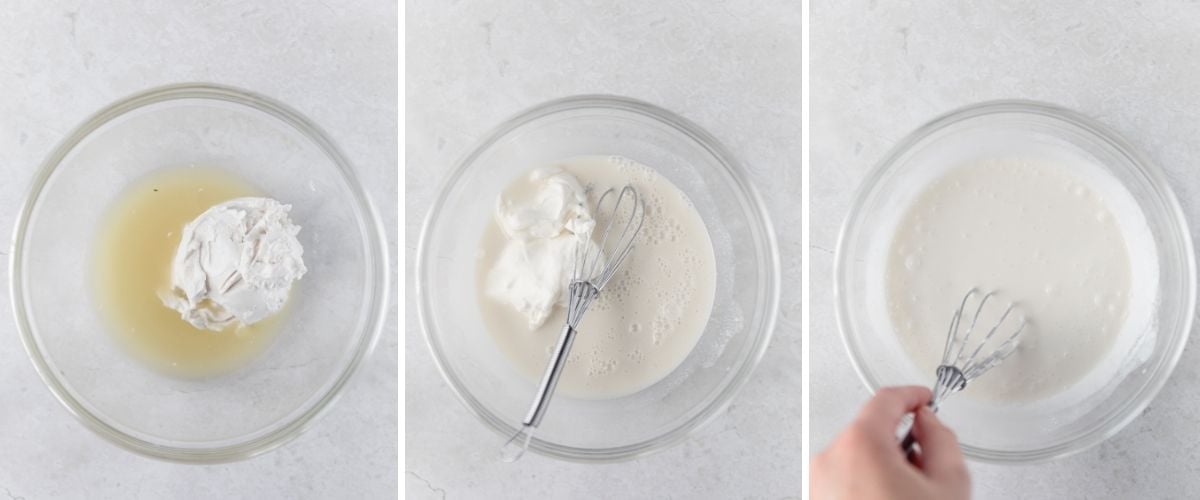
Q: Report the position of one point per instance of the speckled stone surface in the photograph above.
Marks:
(732, 67)
(880, 69)
(62, 60)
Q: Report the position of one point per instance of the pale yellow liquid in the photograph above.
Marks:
(132, 263)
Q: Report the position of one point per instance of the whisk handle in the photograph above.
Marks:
(558, 360)
(906, 444)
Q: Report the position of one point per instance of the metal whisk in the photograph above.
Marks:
(962, 363)
(590, 272)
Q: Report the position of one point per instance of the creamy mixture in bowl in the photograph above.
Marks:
(1055, 212)
(1033, 231)
(647, 370)
(646, 320)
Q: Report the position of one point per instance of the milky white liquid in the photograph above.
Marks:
(646, 320)
(1038, 233)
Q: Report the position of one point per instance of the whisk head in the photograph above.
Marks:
(619, 215)
(623, 211)
(970, 351)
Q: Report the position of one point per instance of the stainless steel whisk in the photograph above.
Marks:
(590, 273)
(961, 364)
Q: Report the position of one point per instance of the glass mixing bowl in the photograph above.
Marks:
(1157, 329)
(737, 332)
(337, 309)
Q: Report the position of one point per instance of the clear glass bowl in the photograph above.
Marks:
(1084, 415)
(738, 329)
(337, 310)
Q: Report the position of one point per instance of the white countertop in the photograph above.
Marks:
(60, 61)
(880, 69)
(732, 67)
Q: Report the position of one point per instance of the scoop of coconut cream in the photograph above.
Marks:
(544, 217)
(235, 264)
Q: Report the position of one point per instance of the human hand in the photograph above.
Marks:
(865, 460)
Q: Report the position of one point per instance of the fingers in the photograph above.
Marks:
(941, 458)
(882, 413)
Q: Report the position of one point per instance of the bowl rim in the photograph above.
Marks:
(769, 308)
(1123, 414)
(376, 249)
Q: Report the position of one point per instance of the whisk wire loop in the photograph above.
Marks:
(632, 225)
